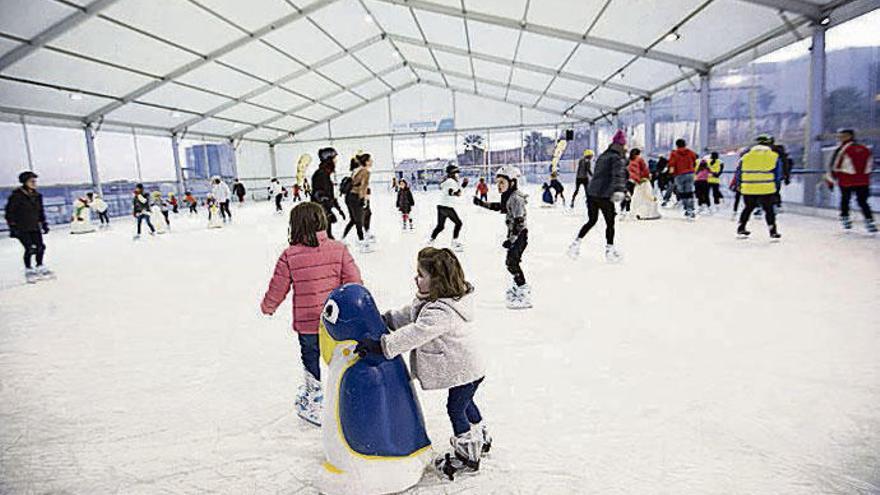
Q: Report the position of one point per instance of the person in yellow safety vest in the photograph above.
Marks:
(716, 167)
(760, 172)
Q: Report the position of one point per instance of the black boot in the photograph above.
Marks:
(742, 232)
(774, 234)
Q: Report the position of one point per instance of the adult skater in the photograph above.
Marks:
(850, 167)
(322, 187)
(98, 204)
(513, 205)
(27, 223)
(355, 190)
(222, 195)
(582, 177)
(682, 161)
(759, 176)
(607, 186)
(450, 192)
(277, 192)
(140, 209)
(239, 190)
(716, 168)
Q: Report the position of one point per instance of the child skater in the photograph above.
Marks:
(483, 189)
(701, 187)
(513, 205)
(159, 203)
(97, 203)
(313, 266)
(450, 192)
(191, 202)
(436, 329)
(405, 202)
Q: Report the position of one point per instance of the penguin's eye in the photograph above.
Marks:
(331, 311)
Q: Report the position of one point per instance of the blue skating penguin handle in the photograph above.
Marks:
(373, 429)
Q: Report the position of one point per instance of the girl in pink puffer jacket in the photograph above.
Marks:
(313, 266)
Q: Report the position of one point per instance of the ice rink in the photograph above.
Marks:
(702, 364)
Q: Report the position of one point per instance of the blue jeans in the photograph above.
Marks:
(142, 217)
(684, 188)
(309, 353)
(461, 408)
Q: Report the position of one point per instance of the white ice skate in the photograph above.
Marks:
(365, 246)
(31, 276)
(44, 273)
(574, 249)
(612, 255)
(457, 246)
(481, 431)
(464, 458)
(522, 298)
(310, 400)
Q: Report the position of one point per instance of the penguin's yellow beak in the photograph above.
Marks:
(326, 343)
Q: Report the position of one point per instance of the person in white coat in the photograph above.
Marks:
(450, 195)
(437, 330)
(222, 195)
(277, 191)
(97, 203)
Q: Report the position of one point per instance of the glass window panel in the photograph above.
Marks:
(13, 154)
(59, 155)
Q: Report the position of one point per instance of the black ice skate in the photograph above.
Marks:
(465, 457)
(774, 234)
(742, 233)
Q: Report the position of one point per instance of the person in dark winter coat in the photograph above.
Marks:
(140, 209)
(27, 223)
(322, 187)
(405, 202)
(584, 171)
(239, 190)
(607, 186)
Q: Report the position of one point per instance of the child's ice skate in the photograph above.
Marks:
(520, 298)
(483, 433)
(457, 246)
(612, 255)
(310, 400)
(365, 246)
(464, 458)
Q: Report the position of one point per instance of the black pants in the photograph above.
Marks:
(444, 212)
(765, 201)
(861, 193)
(514, 257)
(578, 183)
(626, 204)
(736, 199)
(594, 206)
(278, 198)
(701, 188)
(33, 246)
(355, 207)
(240, 198)
(103, 217)
(460, 407)
(174, 208)
(193, 208)
(224, 210)
(167, 221)
(715, 188)
(368, 217)
(309, 353)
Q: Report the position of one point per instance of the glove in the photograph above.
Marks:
(506, 244)
(464, 182)
(45, 228)
(787, 181)
(617, 197)
(368, 346)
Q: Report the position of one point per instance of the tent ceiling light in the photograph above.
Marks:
(673, 36)
(76, 96)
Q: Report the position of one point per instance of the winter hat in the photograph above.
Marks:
(325, 154)
(452, 169)
(26, 176)
(588, 152)
(509, 172)
(619, 138)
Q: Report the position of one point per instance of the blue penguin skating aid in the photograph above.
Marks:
(373, 430)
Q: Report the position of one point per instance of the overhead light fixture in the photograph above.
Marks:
(395, 54)
(76, 96)
(368, 18)
(825, 21)
(673, 36)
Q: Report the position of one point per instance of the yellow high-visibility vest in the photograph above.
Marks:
(758, 167)
(714, 168)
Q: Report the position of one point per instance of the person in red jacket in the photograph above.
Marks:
(682, 161)
(482, 189)
(312, 266)
(850, 167)
(638, 171)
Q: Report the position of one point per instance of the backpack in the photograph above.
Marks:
(346, 185)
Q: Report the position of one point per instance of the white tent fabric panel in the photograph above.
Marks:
(569, 87)
(442, 29)
(491, 70)
(316, 112)
(150, 116)
(542, 50)
(492, 39)
(371, 89)
(586, 111)
(393, 19)
(372, 118)
(216, 126)
(416, 54)
(181, 22)
(346, 21)
(320, 131)
(562, 14)
(532, 80)
(530, 116)
(247, 113)
(29, 97)
(311, 85)
(13, 154)
(262, 135)
(475, 111)
(421, 103)
(647, 73)
(304, 41)
(279, 98)
(453, 63)
(520, 97)
(343, 100)
(345, 71)
(28, 18)
(115, 154)
(465, 84)
(261, 60)
(491, 90)
(157, 158)
(8, 45)
(103, 40)
(399, 77)
(596, 62)
(178, 96)
(379, 149)
(514, 9)
(223, 80)
(610, 97)
(379, 56)
(640, 22)
(251, 15)
(59, 154)
(63, 70)
(554, 104)
(427, 75)
(291, 123)
(253, 160)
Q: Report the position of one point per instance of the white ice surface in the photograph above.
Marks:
(700, 365)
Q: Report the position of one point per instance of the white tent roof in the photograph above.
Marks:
(264, 69)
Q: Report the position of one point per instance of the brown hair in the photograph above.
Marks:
(306, 220)
(447, 277)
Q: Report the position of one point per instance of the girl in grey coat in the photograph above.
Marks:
(436, 329)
